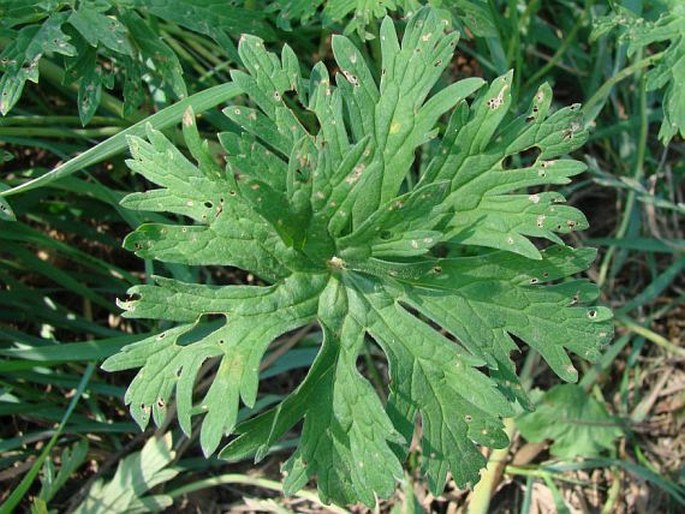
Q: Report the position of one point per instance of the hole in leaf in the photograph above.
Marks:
(287, 371)
(372, 355)
(432, 324)
(522, 159)
(440, 250)
(307, 118)
(208, 204)
(208, 324)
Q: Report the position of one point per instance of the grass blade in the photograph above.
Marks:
(166, 117)
(26, 482)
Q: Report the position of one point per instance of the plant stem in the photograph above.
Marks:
(566, 43)
(614, 491)
(252, 481)
(479, 502)
(655, 338)
(589, 107)
(637, 174)
(497, 462)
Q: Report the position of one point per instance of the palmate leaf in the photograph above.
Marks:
(324, 213)
(582, 425)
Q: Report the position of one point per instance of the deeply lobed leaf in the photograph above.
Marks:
(321, 200)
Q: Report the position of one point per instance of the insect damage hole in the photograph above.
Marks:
(351, 78)
(497, 101)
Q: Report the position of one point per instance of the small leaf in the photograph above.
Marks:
(669, 72)
(136, 474)
(21, 56)
(581, 426)
(150, 46)
(6, 212)
(91, 77)
(99, 29)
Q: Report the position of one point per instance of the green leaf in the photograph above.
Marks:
(70, 460)
(101, 36)
(19, 60)
(150, 46)
(334, 11)
(431, 376)
(486, 213)
(669, 72)
(6, 212)
(136, 475)
(91, 77)
(99, 29)
(581, 426)
(17, 12)
(321, 198)
(346, 433)
(358, 14)
(173, 358)
(210, 17)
